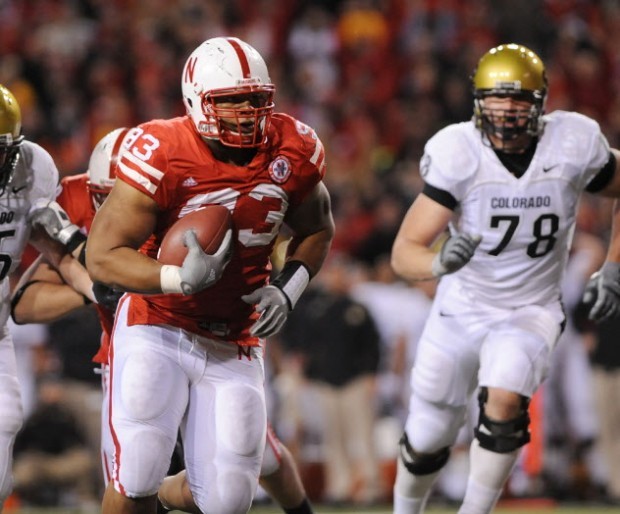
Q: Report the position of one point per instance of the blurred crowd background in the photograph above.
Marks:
(375, 78)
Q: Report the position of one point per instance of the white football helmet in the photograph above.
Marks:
(228, 93)
(102, 165)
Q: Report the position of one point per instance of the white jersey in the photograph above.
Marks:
(35, 177)
(526, 223)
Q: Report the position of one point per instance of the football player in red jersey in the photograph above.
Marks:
(42, 296)
(187, 346)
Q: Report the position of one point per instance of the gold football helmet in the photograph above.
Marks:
(10, 135)
(515, 71)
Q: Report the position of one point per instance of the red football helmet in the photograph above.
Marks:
(228, 93)
(102, 165)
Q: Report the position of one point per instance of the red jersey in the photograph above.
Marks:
(168, 161)
(75, 200)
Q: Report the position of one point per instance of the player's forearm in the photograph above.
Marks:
(312, 250)
(613, 252)
(76, 276)
(44, 302)
(412, 261)
(124, 269)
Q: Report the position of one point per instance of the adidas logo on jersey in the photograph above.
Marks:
(190, 182)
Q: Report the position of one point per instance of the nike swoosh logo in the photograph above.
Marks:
(446, 315)
(549, 168)
(18, 189)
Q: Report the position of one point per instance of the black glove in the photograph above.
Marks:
(106, 296)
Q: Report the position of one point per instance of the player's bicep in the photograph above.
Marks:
(126, 219)
(313, 215)
(425, 220)
(411, 254)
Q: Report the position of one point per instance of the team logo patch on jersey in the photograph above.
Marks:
(280, 169)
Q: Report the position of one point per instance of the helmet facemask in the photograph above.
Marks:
(228, 93)
(506, 125)
(235, 126)
(9, 157)
(10, 136)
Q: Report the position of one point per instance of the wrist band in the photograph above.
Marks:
(292, 281)
(76, 239)
(170, 279)
(82, 256)
(17, 297)
(437, 268)
(66, 235)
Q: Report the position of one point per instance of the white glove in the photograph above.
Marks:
(273, 305)
(54, 220)
(455, 253)
(199, 269)
(603, 291)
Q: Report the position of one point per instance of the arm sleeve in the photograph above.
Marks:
(600, 181)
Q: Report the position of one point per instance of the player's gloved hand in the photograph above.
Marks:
(274, 307)
(603, 293)
(54, 220)
(107, 296)
(455, 253)
(199, 269)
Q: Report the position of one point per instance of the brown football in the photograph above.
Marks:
(210, 223)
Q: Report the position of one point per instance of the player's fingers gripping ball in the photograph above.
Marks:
(196, 250)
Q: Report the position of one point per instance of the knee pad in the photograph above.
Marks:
(502, 436)
(421, 464)
(143, 462)
(240, 423)
(431, 426)
(231, 493)
(437, 378)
